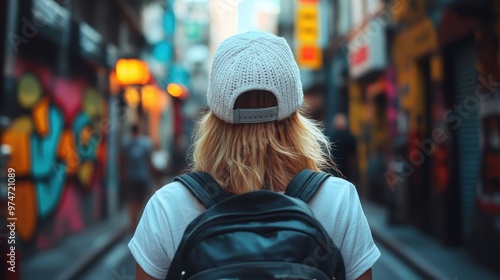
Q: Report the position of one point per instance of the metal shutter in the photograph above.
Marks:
(465, 81)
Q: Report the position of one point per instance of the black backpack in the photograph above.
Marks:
(256, 235)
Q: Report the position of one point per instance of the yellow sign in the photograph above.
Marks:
(309, 56)
(306, 28)
(417, 41)
(307, 34)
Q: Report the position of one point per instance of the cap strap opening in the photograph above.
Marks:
(255, 115)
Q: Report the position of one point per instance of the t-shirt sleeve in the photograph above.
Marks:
(358, 249)
(152, 236)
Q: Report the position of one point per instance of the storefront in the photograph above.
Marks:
(473, 85)
(428, 156)
(368, 101)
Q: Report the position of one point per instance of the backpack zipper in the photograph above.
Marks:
(226, 218)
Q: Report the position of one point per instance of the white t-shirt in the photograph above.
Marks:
(336, 205)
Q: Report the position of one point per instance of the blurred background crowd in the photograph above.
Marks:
(409, 91)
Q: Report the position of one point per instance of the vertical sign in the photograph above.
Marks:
(308, 50)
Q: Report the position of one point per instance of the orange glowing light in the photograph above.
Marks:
(132, 95)
(149, 96)
(132, 72)
(175, 90)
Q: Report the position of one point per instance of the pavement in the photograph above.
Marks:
(76, 253)
(424, 254)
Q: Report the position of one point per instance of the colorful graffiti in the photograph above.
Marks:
(57, 154)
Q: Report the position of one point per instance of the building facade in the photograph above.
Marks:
(421, 80)
(64, 117)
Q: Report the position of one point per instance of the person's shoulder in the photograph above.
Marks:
(170, 190)
(335, 188)
(175, 193)
(337, 184)
(333, 202)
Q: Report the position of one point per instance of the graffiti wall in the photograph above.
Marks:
(58, 152)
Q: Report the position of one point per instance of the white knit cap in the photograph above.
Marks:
(248, 61)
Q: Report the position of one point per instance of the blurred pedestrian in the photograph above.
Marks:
(343, 151)
(254, 137)
(136, 172)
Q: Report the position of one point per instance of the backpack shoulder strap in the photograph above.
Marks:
(305, 184)
(203, 187)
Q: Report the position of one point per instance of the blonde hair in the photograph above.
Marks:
(249, 157)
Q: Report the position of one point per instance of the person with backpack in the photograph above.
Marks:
(255, 204)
